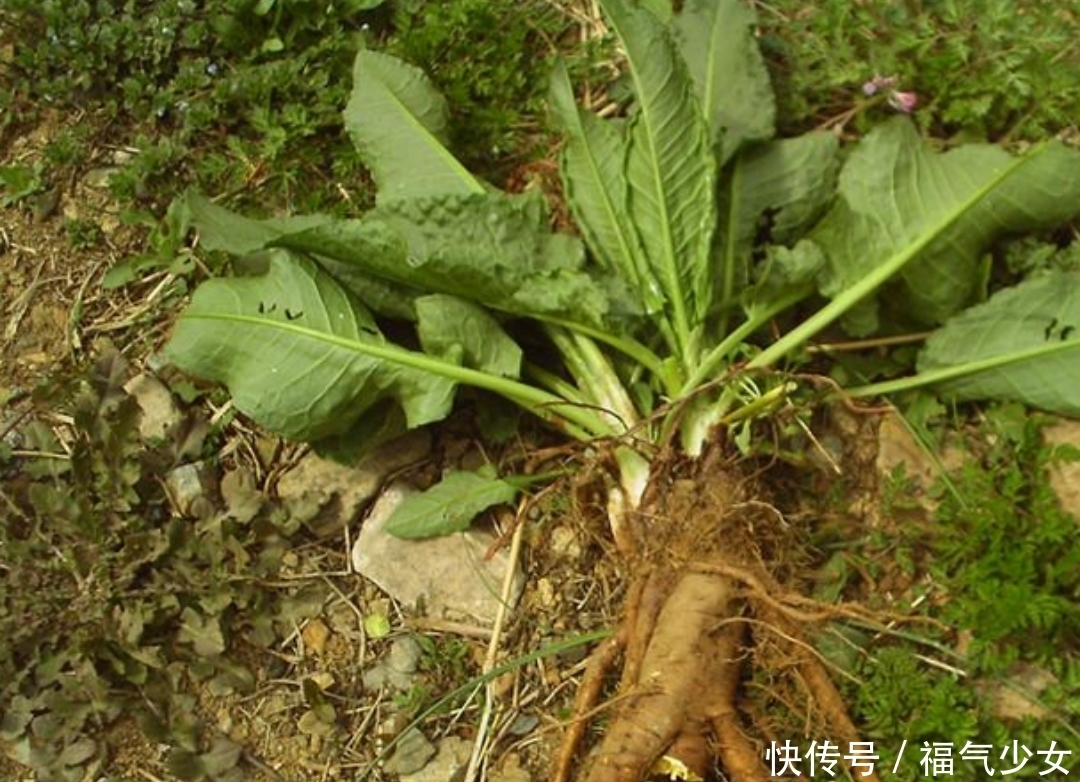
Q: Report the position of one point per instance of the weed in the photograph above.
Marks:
(483, 57)
(1003, 560)
(447, 659)
(17, 183)
(110, 607)
(83, 234)
(990, 68)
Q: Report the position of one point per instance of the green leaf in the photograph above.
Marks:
(904, 210)
(595, 187)
(1021, 345)
(380, 423)
(222, 229)
(787, 270)
(377, 625)
(287, 344)
(790, 181)
(900, 199)
(222, 756)
(397, 121)
(491, 249)
(304, 359)
(450, 505)
(661, 9)
(716, 38)
(448, 325)
(669, 169)
(204, 633)
(18, 183)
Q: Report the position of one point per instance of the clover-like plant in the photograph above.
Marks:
(697, 229)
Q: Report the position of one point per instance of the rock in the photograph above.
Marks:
(398, 669)
(1016, 697)
(311, 724)
(509, 770)
(160, 413)
(326, 496)
(100, 178)
(189, 486)
(1065, 476)
(564, 543)
(411, 754)
(315, 635)
(242, 498)
(449, 576)
(450, 758)
(900, 451)
(898, 448)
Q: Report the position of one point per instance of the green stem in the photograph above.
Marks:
(555, 384)
(727, 279)
(595, 375)
(757, 317)
(630, 348)
(934, 376)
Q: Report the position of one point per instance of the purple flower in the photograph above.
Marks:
(903, 101)
(878, 83)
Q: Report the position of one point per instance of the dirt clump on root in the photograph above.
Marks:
(704, 603)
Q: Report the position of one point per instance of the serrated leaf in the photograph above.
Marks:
(223, 756)
(449, 506)
(716, 38)
(1024, 345)
(669, 168)
(595, 187)
(184, 765)
(78, 752)
(397, 120)
(204, 633)
(222, 229)
(492, 249)
(298, 353)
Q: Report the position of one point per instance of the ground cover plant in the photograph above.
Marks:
(999, 556)
(983, 69)
(698, 230)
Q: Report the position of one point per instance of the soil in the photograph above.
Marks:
(54, 308)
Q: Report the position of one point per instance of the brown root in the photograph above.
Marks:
(685, 640)
(684, 658)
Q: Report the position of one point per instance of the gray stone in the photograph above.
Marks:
(412, 753)
(160, 413)
(449, 576)
(398, 669)
(327, 496)
(451, 758)
(190, 487)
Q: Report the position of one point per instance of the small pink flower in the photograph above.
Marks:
(878, 83)
(904, 102)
